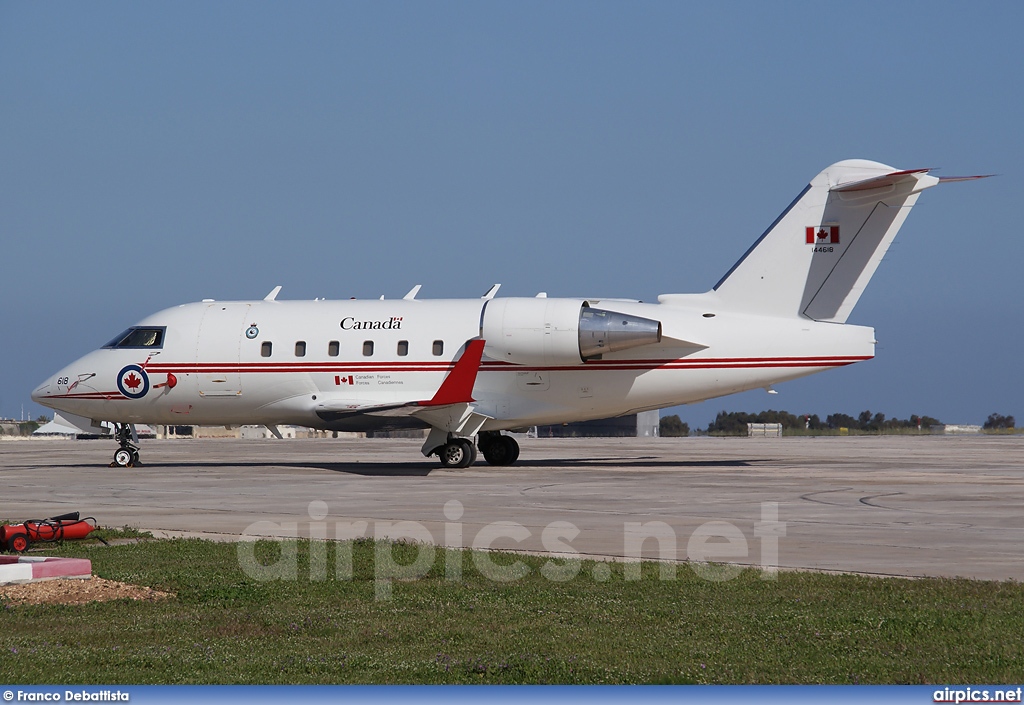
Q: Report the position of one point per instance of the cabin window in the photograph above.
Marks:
(333, 348)
(439, 347)
(367, 348)
(300, 348)
(139, 338)
(403, 348)
(267, 348)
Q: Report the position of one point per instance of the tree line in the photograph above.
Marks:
(734, 423)
(998, 421)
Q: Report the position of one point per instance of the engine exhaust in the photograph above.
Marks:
(607, 331)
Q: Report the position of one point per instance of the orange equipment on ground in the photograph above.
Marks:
(17, 538)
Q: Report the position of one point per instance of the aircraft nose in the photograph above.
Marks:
(41, 392)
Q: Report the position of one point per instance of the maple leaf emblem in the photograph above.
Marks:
(132, 381)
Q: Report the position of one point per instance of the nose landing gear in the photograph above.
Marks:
(127, 456)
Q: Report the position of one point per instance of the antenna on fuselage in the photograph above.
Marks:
(272, 296)
(412, 293)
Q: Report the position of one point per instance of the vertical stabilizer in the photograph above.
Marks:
(818, 256)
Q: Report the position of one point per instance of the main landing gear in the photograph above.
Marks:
(127, 456)
(498, 449)
(461, 453)
(457, 453)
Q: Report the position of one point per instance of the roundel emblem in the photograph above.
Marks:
(133, 382)
(252, 332)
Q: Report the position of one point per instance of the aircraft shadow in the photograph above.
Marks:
(644, 462)
(425, 469)
(368, 469)
(375, 469)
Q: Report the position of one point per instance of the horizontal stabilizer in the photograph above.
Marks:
(883, 181)
(895, 178)
(952, 179)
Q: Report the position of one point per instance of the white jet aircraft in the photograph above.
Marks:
(471, 368)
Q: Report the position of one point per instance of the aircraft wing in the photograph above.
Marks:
(448, 409)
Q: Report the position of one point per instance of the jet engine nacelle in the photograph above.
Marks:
(556, 332)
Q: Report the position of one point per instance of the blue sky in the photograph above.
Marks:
(153, 154)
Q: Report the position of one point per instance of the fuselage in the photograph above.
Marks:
(468, 369)
(277, 362)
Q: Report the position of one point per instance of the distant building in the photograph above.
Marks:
(955, 428)
(764, 430)
(642, 425)
(9, 427)
(394, 433)
(648, 424)
(56, 429)
(60, 427)
(247, 432)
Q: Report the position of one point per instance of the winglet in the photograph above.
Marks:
(457, 387)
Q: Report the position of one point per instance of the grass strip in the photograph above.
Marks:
(225, 626)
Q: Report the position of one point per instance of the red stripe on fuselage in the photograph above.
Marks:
(500, 366)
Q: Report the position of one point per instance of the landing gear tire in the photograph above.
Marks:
(127, 456)
(500, 450)
(457, 453)
(471, 449)
(18, 543)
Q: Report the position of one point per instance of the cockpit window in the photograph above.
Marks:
(139, 338)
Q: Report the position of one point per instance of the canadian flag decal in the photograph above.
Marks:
(339, 380)
(823, 234)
